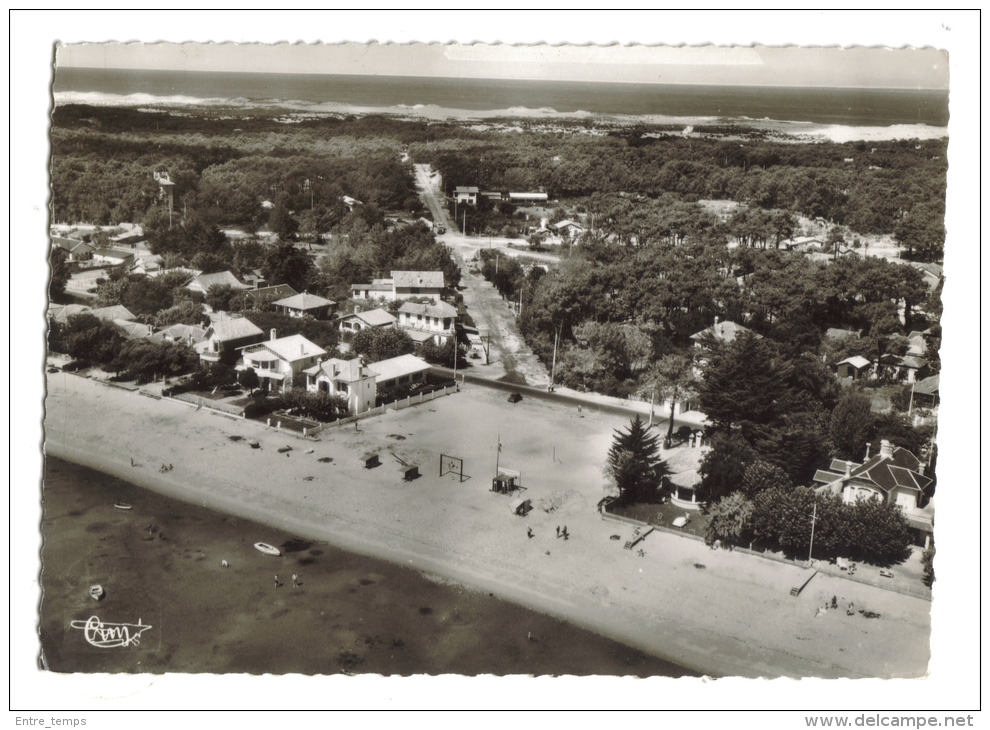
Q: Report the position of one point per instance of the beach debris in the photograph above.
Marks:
(614, 537)
(308, 479)
(699, 566)
(869, 614)
(235, 438)
(255, 445)
(325, 459)
(308, 451)
(96, 592)
(122, 505)
(529, 532)
(224, 564)
(396, 436)
(284, 449)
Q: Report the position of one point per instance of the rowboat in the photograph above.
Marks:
(267, 549)
(122, 505)
(96, 592)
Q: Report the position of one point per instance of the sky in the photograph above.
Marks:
(925, 68)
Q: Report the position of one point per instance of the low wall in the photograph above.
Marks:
(200, 402)
(411, 400)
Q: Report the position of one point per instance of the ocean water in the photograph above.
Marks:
(317, 92)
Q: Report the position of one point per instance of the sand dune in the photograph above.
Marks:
(733, 617)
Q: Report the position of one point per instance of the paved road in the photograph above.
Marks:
(468, 246)
(575, 401)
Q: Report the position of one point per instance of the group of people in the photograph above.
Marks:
(563, 533)
(295, 581)
(164, 468)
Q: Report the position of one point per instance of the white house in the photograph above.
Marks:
(278, 360)
(428, 321)
(401, 370)
(466, 194)
(357, 321)
(350, 379)
(895, 475)
(305, 305)
(402, 285)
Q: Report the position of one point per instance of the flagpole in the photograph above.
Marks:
(497, 452)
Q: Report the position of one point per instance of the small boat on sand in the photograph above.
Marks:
(267, 549)
(122, 505)
(96, 592)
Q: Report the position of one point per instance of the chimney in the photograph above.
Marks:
(355, 309)
(302, 348)
(273, 337)
(921, 468)
(849, 467)
(886, 450)
(868, 445)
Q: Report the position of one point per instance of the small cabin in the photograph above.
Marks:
(503, 484)
(370, 460)
(409, 472)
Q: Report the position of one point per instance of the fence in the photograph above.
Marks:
(213, 405)
(821, 567)
(409, 400)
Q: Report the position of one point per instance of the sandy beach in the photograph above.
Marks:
(733, 617)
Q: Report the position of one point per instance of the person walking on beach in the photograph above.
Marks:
(277, 584)
(295, 580)
(529, 532)
(564, 532)
(558, 530)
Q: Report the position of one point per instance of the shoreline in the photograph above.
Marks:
(730, 620)
(509, 119)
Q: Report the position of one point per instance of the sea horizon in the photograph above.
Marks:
(459, 97)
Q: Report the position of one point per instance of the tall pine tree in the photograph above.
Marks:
(635, 464)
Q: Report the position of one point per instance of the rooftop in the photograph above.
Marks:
(348, 371)
(291, 348)
(279, 291)
(117, 311)
(443, 310)
(374, 317)
(234, 329)
(414, 279)
(304, 302)
(398, 367)
(857, 361)
(220, 278)
(724, 331)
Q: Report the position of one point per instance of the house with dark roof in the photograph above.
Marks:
(278, 360)
(305, 305)
(895, 475)
(263, 295)
(75, 249)
(902, 368)
(351, 380)
(926, 392)
(225, 337)
(61, 312)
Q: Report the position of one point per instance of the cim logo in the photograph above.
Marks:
(110, 635)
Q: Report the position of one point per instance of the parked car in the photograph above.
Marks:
(515, 398)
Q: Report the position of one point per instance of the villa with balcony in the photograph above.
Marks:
(424, 322)
(225, 338)
(351, 380)
(278, 360)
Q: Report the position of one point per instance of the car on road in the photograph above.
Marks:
(514, 398)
